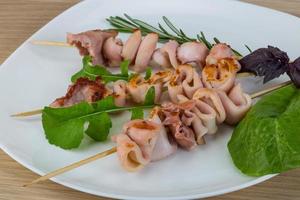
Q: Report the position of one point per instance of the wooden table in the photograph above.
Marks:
(18, 20)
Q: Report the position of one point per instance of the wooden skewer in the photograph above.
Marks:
(244, 74)
(63, 44)
(50, 43)
(73, 166)
(268, 90)
(254, 95)
(29, 113)
(114, 149)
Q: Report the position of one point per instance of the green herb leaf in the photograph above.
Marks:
(79, 74)
(267, 140)
(129, 24)
(99, 127)
(137, 113)
(65, 127)
(217, 41)
(148, 73)
(249, 49)
(92, 72)
(124, 67)
(150, 96)
(132, 75)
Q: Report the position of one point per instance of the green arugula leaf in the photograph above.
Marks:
(65, 127)
(137, 113)
(99, 124)
(79, 74)
(92, 72)
(105, 104)
(132, 75)
(148, 73)
(267, 140)
(124, 67)
(150, 96)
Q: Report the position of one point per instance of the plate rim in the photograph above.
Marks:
(120, 196)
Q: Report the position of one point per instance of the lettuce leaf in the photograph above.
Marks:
(267, 140)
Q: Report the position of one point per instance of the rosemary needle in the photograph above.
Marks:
(129, 24)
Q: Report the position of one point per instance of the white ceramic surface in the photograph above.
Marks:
(35, 75)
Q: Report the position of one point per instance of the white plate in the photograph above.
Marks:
(35, 75)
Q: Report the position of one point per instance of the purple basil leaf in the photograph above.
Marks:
(269, 62)
(294, 72)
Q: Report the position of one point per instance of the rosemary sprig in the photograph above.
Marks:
(250, 50)
(129, 24)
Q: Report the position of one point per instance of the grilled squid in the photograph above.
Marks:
(82, 90)
(176, 119)
(106, 49)
(112, 49)
(138, 88)
(192, 52)
(136, 143)
(145, 52)
(181, 125)
(91, 43)
(120, 92)
(165, 144)
(131, 46)
(220, 76)
(218, 52)
(236, 104)
(185, 81)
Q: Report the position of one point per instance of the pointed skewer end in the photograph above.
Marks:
(29, 113)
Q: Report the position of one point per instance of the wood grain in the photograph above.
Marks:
(18, 20)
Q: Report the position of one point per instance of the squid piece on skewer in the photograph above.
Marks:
(221, 51)
(131, 46)
(91, 43)
(145, 51)
(178, 118)
(193, 53)
(112, 50)
(142, 142)
(108, 50)
(185, 81)
(181, 124)
(136, 89)
(221, 68)
(236, 104)
(82, 90)
(165, 145)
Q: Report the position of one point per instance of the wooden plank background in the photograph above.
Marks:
(18, 20)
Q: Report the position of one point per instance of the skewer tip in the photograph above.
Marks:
(29, 113)
(50, 43)
(72, 166)
(31, 183)
(26, 184)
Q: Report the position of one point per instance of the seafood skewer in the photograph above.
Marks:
(219, 72)
(114, 149)
(136, 88)
(107, 50)
(269, 62)
(198, 102)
